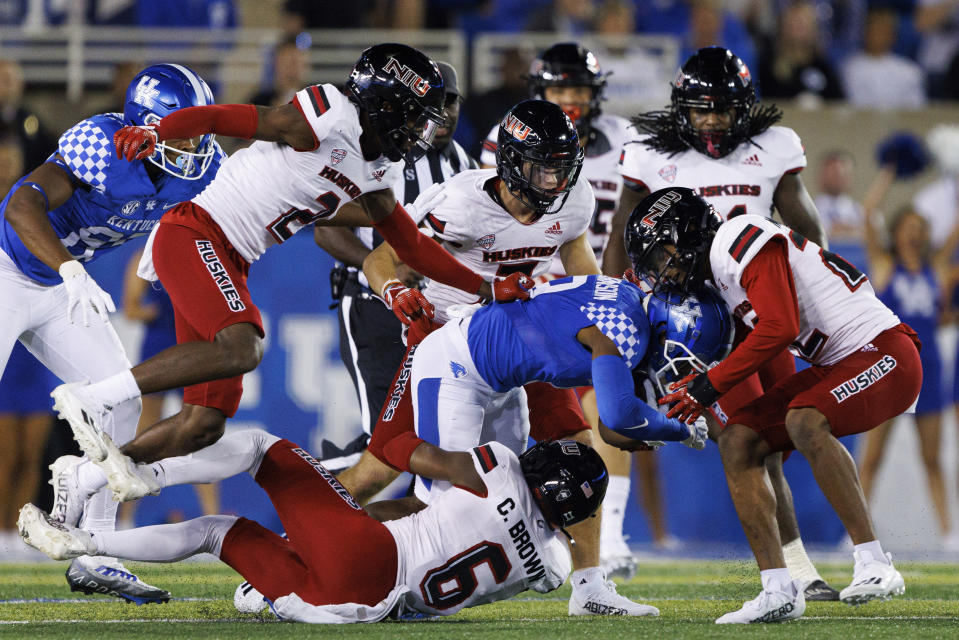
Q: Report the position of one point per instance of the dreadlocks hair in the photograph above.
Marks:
(663, 135)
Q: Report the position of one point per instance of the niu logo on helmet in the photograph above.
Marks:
(515, 127)
(660, 207)
(407, 76)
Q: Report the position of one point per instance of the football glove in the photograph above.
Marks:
(431, 198)
(698, 432)
(136, 142)
(408, 304)
(85, 293)
(690, 397)
(515, 286)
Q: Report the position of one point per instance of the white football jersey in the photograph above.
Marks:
(838, 309)
(482, 235)
(265, 193)
(742, 182)
(600, 168)
(465, 549)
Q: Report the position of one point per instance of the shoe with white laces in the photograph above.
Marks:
(127, 479)
(598, 597)
(769, 606)
(616, 558)
(57, 540)
(68, 497)
(106, 576)
(872, 579)
(85, 417)
(247, 599)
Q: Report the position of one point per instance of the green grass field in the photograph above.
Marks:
(35, 603)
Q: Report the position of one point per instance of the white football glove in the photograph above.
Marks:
(85, 293)
(431, 198)
(698, 432)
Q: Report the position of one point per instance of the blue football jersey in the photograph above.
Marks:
(520, 342)
(114, 200)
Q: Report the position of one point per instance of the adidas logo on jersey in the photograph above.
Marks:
(753, 160)
(554, 230)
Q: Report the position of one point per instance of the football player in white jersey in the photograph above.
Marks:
(516, 217)
(865, 370)
(714, 139)
(499, 532)
(570, 76)
(312, 155)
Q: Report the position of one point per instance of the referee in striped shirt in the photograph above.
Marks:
(371, 345)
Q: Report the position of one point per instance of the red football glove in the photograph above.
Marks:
(408, 304)
(515, 286)
(136, 142)
(691, 396)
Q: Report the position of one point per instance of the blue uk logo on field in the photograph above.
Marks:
(458, 370)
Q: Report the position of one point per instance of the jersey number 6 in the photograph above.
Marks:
(452, 583)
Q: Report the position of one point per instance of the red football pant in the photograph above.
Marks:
(206, 280)
(334, 552)
(856, 394)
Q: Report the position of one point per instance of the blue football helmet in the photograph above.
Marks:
(688, 334)
(158, 91)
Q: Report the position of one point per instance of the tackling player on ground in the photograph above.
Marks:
(498, 533)
(81, 203)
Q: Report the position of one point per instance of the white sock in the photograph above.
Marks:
(800, 566)
(614, 508)
(90, 477)
(582, 578)
(776, 580)
(232, 454)
(874, 549)
(115, 389)
(100, 511)
(166, 542)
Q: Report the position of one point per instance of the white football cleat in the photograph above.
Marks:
(108, 577)
(85, 417)
(127, 479)
(872, 580)
(599, 598)
(247, 599)
(68, 498)
(57, 540)
(769, 606)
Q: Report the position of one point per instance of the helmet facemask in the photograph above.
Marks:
(180, 163)
(406, 133)
(542, 184)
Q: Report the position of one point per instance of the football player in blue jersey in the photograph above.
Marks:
(79, 204)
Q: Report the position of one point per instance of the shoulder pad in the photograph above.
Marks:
(321, 106)
(87, 149)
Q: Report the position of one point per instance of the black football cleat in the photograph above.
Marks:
(819, 590)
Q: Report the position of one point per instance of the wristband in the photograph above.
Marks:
(701, 388)
(387, 285)
(71, 269)
(397, 451)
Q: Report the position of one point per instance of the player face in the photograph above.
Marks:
(172, 147)
(665, 264)
(451, 115)
(546, 178)
(712, 120)
(573, 100)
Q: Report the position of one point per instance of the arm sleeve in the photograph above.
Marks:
(234, 120)
(622, 411)
(770, 288)
(423, 253)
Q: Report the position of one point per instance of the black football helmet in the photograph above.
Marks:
(713, 79)
(672, 229)
(567, 478)
(568, 64)
(538, 155)
(402, 92)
